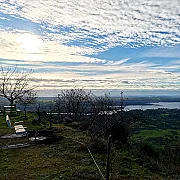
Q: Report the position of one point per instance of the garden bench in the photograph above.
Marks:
(19, 129)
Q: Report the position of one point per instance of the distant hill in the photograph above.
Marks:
(129, 100)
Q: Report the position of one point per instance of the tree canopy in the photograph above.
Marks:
(14, 83)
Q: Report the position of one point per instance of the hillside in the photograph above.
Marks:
(65, 155)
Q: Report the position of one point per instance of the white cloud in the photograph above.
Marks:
(107, 77)
(92, 27)
(120, 62)
(142, 21)
(107, 83)
(18, 45)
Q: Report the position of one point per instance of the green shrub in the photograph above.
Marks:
(98, 146)
(148, 149)
(119, 134)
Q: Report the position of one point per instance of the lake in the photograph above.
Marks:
(168, 105)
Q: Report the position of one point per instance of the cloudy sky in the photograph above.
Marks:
(94, 44)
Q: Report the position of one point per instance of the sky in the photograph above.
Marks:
(105, 45)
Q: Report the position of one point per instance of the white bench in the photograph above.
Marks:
(19, 129)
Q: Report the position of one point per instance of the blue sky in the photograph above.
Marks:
(103, 45)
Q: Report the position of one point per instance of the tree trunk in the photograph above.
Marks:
(11, 102)
(25, 113)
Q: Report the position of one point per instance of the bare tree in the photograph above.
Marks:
(73, 103)
(102, 115)
(58, 107)
(26, 100)
(14, 83)
(106, 119)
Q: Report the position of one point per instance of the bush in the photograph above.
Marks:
(98, 146)
(50, 139)
(148, 149)
(119, 133)
(74, 125)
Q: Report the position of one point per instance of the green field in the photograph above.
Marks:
(68, 158)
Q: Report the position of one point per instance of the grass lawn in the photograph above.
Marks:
(64, 158)
(146, 134)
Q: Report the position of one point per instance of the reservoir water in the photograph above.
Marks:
(168, 105)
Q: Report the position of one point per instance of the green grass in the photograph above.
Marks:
(146, 134)
(68, 159)
(63, 159)
(158, 137)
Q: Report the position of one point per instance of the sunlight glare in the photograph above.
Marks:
(30, 43)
